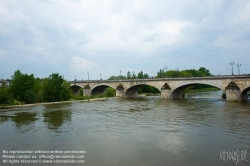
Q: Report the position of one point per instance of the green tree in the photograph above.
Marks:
(161, 74)
(29, 96)
(195, 73)
(21, 86)
(148, 89)
(140, 75)
(81, 92)
(66, 91)
(145, 75)
(117, 78)
(128, 75)
(171, 73)
(109, 92)
(184, 73)
(55, 88)
(205, 71)
(133, 76)
(5, 96)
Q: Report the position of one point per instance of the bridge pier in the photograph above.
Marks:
(119, 92)
(86, 92)
(166, 93)
(233, 95)
(233, 92)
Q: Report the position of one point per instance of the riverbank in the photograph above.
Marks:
(51, 103)
(149, 94)
(200, 90)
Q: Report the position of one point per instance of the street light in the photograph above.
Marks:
(238, 68)
(120, 73)
(88, 76)
(100, 76)
(232, 64)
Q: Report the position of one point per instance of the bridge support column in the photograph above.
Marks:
(233, 95)
(166, 93)
(86, 92)
(120, 93)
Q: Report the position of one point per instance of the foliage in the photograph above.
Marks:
(21, 83)
(55, 88)
(117, 78)
(205, 71)
(202, 72)
(66, 90)
(110, 92)
(5, 96)
(161, 74)
(22, 87)
(97, 96)
(148, 89)
(133, 76)
(81, 92)
(29, 96)
(142, 75)
(78, 97)
(193, 89)
(128, 75)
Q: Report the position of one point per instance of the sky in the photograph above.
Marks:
(76, 37)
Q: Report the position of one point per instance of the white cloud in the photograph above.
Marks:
(81, 64)
(135, 35)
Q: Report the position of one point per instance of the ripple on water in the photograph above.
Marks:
(145, 131)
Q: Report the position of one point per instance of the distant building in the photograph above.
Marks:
(6, 82)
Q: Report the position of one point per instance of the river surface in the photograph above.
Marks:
(141, 131)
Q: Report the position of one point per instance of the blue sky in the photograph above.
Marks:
(74, 37)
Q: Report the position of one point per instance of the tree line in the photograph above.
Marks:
(28, 89)
(202, 72)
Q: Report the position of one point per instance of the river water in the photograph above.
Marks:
(141, 131)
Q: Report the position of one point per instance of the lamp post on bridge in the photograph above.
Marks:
(120, 73)
(232, 64)
(88, 76)
(75, 79)
(238, 68)
(100, 76)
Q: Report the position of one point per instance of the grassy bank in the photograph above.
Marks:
(200, 90)
(149, 94)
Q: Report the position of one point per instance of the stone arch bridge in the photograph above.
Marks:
(235, 87)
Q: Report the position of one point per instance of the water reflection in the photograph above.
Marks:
(24, 118)
(3, 118)
(56, 115)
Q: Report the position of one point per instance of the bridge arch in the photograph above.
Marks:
(133, 90)
(177, 93)
(245, 94)
(100, 89)
(75, 88)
